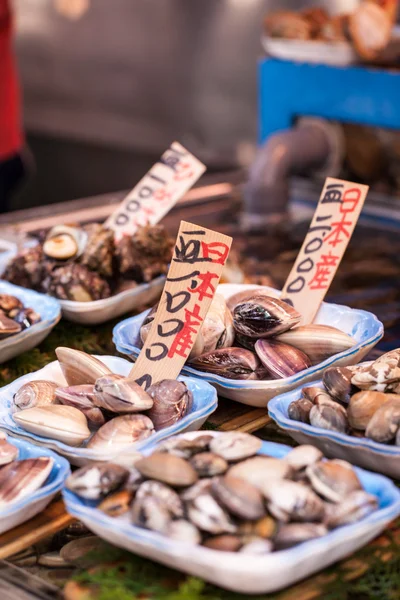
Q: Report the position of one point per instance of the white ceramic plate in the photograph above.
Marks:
(204, 403)
(49, 310)
(382, 458)
(235, 571)
(100, 311)
(363, 326)
(26, 508)
(311, 51)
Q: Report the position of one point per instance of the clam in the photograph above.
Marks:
(223, 543)
(155, 506)
(171, 401)
(292, 534)
(281, 360)
(97, 480)
(303, 456)
(235, 445)
(385, 423)
(116, 504)
(205, 512)
(337, 381)
(8, 452)
(21, 478)
(382, 375)
(299, 410)
(362, 406)
(78, 396)
(328, 414)
(312, 392)
(185, 448)
(35, 393)
(121, 432)
(264, 528)
(357, 505)
(257, 547)
(200, 488)
(63, 423)
(8, 326)
(239, 497)
(245, 295)
(27, 317)
(94, 416)
(258, 470)
(120, 394)
(80, 368)
(333, 479)
(168, 469)
(318, 342)
(208, 464)
(232, 363)
(183, 531)
(263, 316)
(289, 500)
(147, 323)
(64, 242)
(10, 304)
(245, 341)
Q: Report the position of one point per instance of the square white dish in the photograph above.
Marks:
(382, 458)
(204, 403)
(363, 326)
(235, 571)
(47, 307)
(26, 508)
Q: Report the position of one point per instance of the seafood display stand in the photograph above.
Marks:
(31, 564)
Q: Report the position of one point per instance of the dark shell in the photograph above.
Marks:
(99, 250)
(337, 381)
(299, 410)
(232, 363)
(172, 401)
(75, 282)
(262, 316)
(280, 359)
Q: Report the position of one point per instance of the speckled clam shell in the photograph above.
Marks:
(289, 500)
(58, 422)
(22, 478)
(80, 368)
(281, 360)
(95, 481)
(264, 316)
(121, 432)
(328, 414)
(34, 393)
(318, 342)
(382, 375)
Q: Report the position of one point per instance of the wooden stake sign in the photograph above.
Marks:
(157, 192)
(199, 257)
(323, 248)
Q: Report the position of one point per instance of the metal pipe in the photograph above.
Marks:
(312, 145)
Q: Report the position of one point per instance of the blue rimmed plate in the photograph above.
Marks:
(364, 452)
(204, 403)
(47, 307)
(234, 571)
(363, 326)
(26, 508)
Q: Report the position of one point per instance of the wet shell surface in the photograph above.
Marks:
(235, 445)
(63, 423)
(337, 381)
(333, 479)
(35, 393)
(363, 405)
(208, 464)
(78, 396)
(168, 469)
(289, 500)
(171, 401)
(239, 497)
(264, 316)
(22, 478)
(258, 470)
(385, 422)
(97, 480)
(232, 363)
(328, 414)
(303, 456)
(299, 410)
(318, 342)
(121, 432)
(120, 395)
(281, 360)
(80, 368)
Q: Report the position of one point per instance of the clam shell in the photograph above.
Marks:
(289, 500)
(385, 423)
(337, 381)
(208, 464)
(382, 375)
(333, 479)
(299, 410)
(235, 445)
(232, 363)
(22, 478)
(281, 360)
(328, 414)
(263, 316)
(97, 480)
(184, 531)
(58, 422)
(318, 342)
(8, 326)
(239, 497)
(171, 401)
(63, 242)
(78, 396)
(168, 469)
(223, 543)
(303, 456)
(117, 504)
(257, 547)
(354, 507)
(35, 393)
(8, 452)
(205, 512)
(296, 533)
(312, 392)
(121, 432)
(121, 395)
(245, 295)
(258, 470)
(80, 368)
(362, 407)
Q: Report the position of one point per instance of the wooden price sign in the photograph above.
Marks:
(157, 192)
(199, 257)
(323, 248)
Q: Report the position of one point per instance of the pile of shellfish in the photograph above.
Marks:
(257, 336)
(358, 400)
(14, 316)
(20, 478)
(86, 263)
(97, 408)
(218, 491)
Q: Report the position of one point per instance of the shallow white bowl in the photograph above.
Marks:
(26, 508)
(364, 452)
(310, 51)
(234, 571)
(363, 326)
(204, 403)
(49, 310)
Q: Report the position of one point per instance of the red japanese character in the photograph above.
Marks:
(183, 341)
(202, 288)
(184, 171)
(162, 195)
(218, 248)
(338, 228)
(350, 200)
(324, 267)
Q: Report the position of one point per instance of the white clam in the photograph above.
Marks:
(64, 423)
